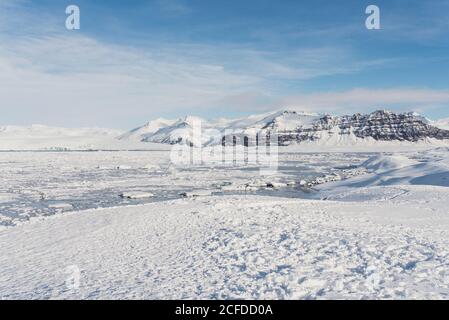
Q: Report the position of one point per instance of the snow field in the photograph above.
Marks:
(381, 234)
(233, 247)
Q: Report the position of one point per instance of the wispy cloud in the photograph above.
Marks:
(363, 99)
(79, 79)
(68, 78)
(57, 77)
(174, 7)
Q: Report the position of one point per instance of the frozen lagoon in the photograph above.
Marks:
(44, 183)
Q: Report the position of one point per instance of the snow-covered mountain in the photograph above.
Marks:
(147, 129)
(380, 125)
(181, 131)
(292, 127)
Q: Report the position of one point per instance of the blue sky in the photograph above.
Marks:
(138, 60)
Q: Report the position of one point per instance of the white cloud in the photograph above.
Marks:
(52, 76)
(71, 79)
(76, 79)
(363, 99)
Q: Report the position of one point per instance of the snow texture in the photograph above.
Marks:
(380, 231)
(237, 247)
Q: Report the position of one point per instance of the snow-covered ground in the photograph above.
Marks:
(237, 247)
(381, 231)
(39, 137)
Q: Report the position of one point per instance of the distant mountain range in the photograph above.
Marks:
(285, 127)
(288, 127)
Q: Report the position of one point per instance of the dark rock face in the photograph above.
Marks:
(380, 125)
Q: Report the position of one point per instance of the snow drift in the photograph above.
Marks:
(390, 170)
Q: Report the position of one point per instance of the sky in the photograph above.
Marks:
(133, 61)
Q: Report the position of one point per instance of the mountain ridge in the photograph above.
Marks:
(295, 127)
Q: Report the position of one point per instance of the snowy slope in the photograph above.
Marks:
(280, 121)
(182, 132)
(381, 163)
(391, 170)
(442, 123)
(147, 129)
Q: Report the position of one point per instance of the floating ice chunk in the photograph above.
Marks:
(275, 185)
(241, 187)
(136, 195)
(257, 183)
(320, 180)
(335, 177)
(196, 193)
(222, 185)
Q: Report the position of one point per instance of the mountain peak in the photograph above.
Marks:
(192, 119)
(292, 110)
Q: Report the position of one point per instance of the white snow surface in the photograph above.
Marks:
(147, 129)
(382, 234)
(237, 247)
(383, 163)
(441, 123)
(385, 170)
